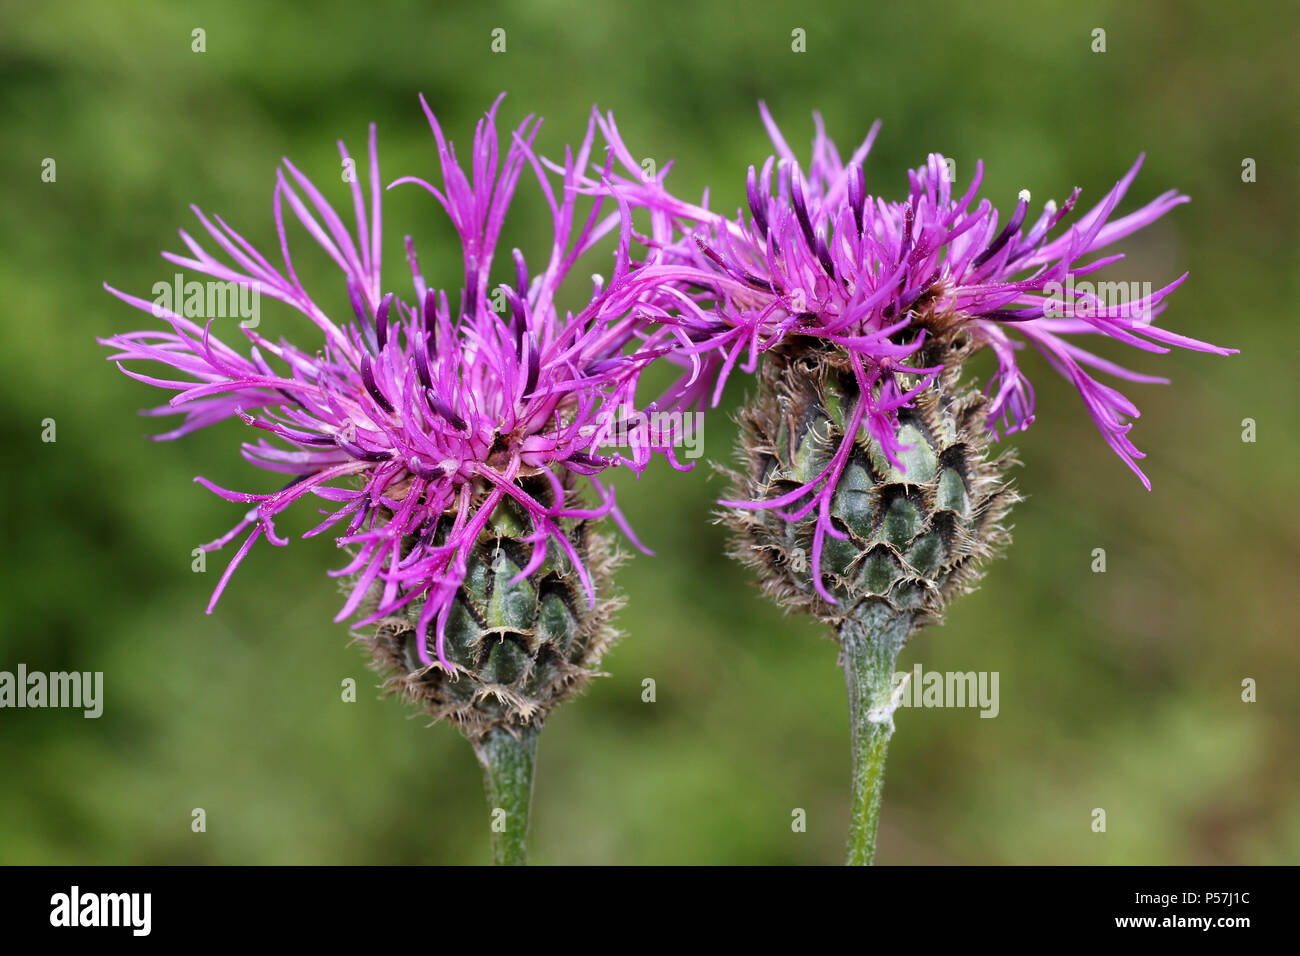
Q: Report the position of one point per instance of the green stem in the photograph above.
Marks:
(869, 648)
(508, 762)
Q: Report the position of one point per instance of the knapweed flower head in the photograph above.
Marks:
(869, 307)
(819, 257)
(423, 415)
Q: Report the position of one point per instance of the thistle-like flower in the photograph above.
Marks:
(869, 494)
(452, 436)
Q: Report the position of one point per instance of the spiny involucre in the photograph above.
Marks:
(867, 474)
(452, 443)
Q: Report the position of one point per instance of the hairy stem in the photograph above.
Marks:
(869, 647)
(508, 762)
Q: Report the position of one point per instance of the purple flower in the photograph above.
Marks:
(414, 419)
(818, 258)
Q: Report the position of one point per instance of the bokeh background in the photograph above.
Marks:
(1119, 690)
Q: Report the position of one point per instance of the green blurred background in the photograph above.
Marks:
(1119, 690)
